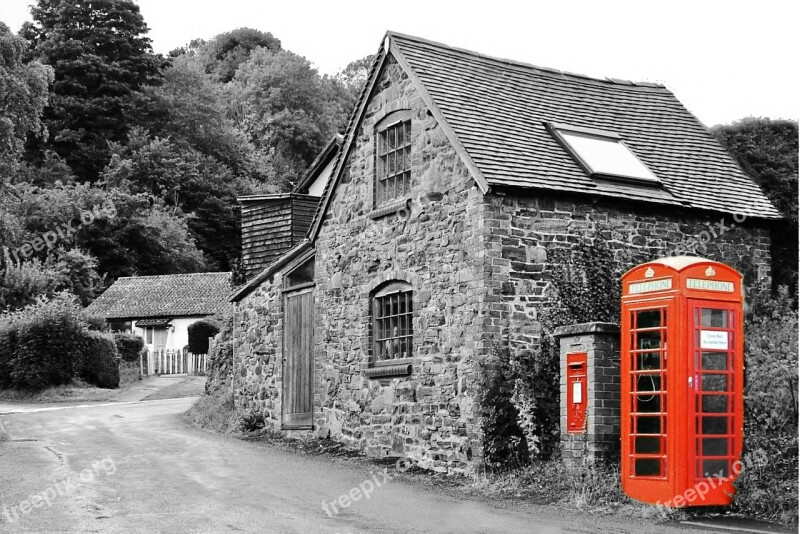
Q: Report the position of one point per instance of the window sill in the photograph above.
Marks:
(389, 209)
(390, 368)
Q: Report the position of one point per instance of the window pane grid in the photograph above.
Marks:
(393, 326)
(648, 393)
(714, 417)
(393, 172)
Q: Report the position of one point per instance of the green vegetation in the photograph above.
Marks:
(156, 149)
(129, 346)
(199, 332)
(768, 151)
(47, 343)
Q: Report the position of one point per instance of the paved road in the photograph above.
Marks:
(136, 467)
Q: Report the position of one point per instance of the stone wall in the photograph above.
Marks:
(258, 352)
(435, 245)
(525, 229)
(600, 439)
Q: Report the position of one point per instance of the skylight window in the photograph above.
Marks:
(603, 154)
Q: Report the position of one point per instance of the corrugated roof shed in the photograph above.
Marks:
(173, 295)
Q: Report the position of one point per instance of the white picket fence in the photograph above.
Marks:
(172, 362)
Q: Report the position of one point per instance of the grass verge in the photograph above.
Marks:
(76, 391)
(215, 412)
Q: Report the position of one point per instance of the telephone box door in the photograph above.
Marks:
(714, 389)
(645, 422)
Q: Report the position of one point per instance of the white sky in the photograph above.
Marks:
(724, 60)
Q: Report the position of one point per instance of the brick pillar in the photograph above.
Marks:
(600, 440)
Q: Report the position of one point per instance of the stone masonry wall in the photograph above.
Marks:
(600, 439)
(430, 416)
(258, 352)
(525, 229)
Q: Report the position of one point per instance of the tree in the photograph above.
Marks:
(23, 95)
(288, 109)
(127, 234)
(101, 59)
(355, 74)
(200, 186)
(767, 150)
(222, 55)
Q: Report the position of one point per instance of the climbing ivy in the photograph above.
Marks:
(585, 287)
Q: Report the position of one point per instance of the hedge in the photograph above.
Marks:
(48, 343)
(199, 333)
(48, 338)
(99, 363)
(128, 346)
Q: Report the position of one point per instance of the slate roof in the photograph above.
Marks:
(494, 111)
(173, 295)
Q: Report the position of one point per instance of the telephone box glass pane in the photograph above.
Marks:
(715, 446)
(648, 319)
(715, 382)
(715, 403)
(715, 361)
(647, 467)
(714, 318)
(715, 425)
(715, 468)
(647, 445)
(648, 425)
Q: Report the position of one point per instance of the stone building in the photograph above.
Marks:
(458, 176)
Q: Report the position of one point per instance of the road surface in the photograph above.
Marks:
(137, 467)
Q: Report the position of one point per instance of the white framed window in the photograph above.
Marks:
(602, 153)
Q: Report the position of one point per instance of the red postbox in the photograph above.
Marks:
(576, 392)
(682, 365)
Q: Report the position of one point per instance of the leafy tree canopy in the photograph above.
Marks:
(767, 150)
(222, 55)
(101, 57)
(288, 109)
(23, 95)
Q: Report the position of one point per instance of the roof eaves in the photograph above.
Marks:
(271, 269)
(476, 173)
(319, 163)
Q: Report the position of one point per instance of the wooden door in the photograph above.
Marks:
(298, 359)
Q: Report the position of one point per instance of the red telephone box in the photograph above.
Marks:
(682, 365)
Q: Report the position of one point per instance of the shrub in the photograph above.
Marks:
(98, 360)
(769, 491)
(49, 334)
(504, 444)
(94, 322)
(8, 347)
(129, 346)
(199, 333)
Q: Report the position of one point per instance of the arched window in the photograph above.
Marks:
(392, 322)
